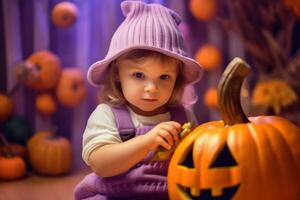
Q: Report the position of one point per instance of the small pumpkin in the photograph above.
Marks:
(204, 10)
(211, 97)
(64, 14)
(237, 158)
(48, 68)
(71, 89)
(17, 129)
(45, 104)
(11, 167)
(209, 56)
(6, 107)
(50, 154)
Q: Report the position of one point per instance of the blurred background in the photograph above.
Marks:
(47, 46)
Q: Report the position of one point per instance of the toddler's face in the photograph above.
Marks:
(147, 85)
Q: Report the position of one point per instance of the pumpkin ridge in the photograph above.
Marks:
(281, 125)
(285, 169)
(271, 163)
(253, 136)
(57, 152)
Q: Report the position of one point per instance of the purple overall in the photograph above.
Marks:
(146, 180)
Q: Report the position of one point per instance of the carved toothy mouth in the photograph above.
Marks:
(209, 194)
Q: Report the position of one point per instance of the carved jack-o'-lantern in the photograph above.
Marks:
(71, 89)
(239, 158)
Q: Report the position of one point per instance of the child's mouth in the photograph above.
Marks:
(150, 100)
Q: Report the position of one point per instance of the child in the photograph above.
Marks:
(144, 74)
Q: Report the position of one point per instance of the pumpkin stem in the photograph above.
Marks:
(229, 90)
(8, 151)
(24, 70)
(53, 131)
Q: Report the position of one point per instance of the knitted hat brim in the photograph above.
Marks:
(98, 72)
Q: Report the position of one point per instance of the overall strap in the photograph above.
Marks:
(124, 123)
(178, 114)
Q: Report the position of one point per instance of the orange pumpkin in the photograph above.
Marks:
(6, 107)
(211, 98)
(50, 154)
(238, 158)
(209, 56)
(45, 104)
(71, 89)
(203, 10)
(48, 67)
(11, 167)
(64, 14)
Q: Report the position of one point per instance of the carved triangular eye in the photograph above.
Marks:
(224, 159)
(188, 160)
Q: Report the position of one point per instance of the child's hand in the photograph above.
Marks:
(162, 154)
(164, 134)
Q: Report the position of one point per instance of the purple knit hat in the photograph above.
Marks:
(147, 26)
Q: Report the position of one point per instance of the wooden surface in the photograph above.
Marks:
(34, 187)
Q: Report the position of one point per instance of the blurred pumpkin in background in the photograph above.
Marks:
(11, 167)
(237, 158)
(45, 104)
(64, 14)
(6, 107)
(273, 93)
(48, 70)
(71, 89)
(204, 10)
(16, 129)
(50, 154)
(211, 98)
(209, 56)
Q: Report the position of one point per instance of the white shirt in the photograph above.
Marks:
(101, 127)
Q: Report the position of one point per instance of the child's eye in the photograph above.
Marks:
(164, 77)
(138, 75)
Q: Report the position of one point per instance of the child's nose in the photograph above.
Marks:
(151, 87)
